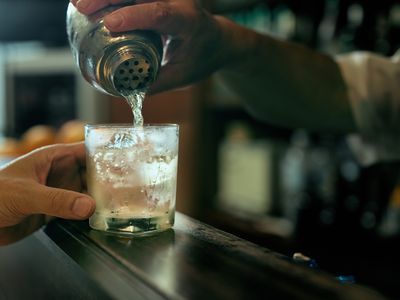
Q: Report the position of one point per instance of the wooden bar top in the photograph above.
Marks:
(193, 261)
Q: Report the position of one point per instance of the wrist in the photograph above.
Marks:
(237, 45)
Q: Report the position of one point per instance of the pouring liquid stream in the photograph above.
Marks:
(135, 100)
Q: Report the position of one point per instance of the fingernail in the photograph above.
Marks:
(83, 4)
(82, 207)
(113, 20)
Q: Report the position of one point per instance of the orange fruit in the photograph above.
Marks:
(71, 132)
(9, 147)
(37, 136)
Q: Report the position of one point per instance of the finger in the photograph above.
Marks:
(83, 180)
(67, 164)
(51, 152)
(158, 16)
(36, 164)
(55, 202)
(59, 151)
(88, 7)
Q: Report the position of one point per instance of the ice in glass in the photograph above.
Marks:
(132, 175)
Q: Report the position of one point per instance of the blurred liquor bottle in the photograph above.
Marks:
(248, 176)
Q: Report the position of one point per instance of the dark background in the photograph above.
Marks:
(33, 20)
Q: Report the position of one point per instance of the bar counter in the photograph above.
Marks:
(68, 260)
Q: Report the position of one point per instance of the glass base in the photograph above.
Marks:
(131, 226)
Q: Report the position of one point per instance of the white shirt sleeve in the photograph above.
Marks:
(373, 83)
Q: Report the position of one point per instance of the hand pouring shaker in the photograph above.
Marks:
(114, 63)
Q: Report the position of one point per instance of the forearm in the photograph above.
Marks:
(283, 83)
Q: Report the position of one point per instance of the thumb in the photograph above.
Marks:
(56, 202)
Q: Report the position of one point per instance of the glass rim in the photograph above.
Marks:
(129, 126)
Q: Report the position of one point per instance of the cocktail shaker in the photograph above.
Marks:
(114, 63)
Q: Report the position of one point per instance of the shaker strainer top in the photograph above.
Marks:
(134, 73)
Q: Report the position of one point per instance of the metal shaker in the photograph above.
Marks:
(114, 63)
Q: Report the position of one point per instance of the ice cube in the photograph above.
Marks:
(122, 140)
(112, 167)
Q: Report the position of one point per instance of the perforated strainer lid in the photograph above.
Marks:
(132, 74)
